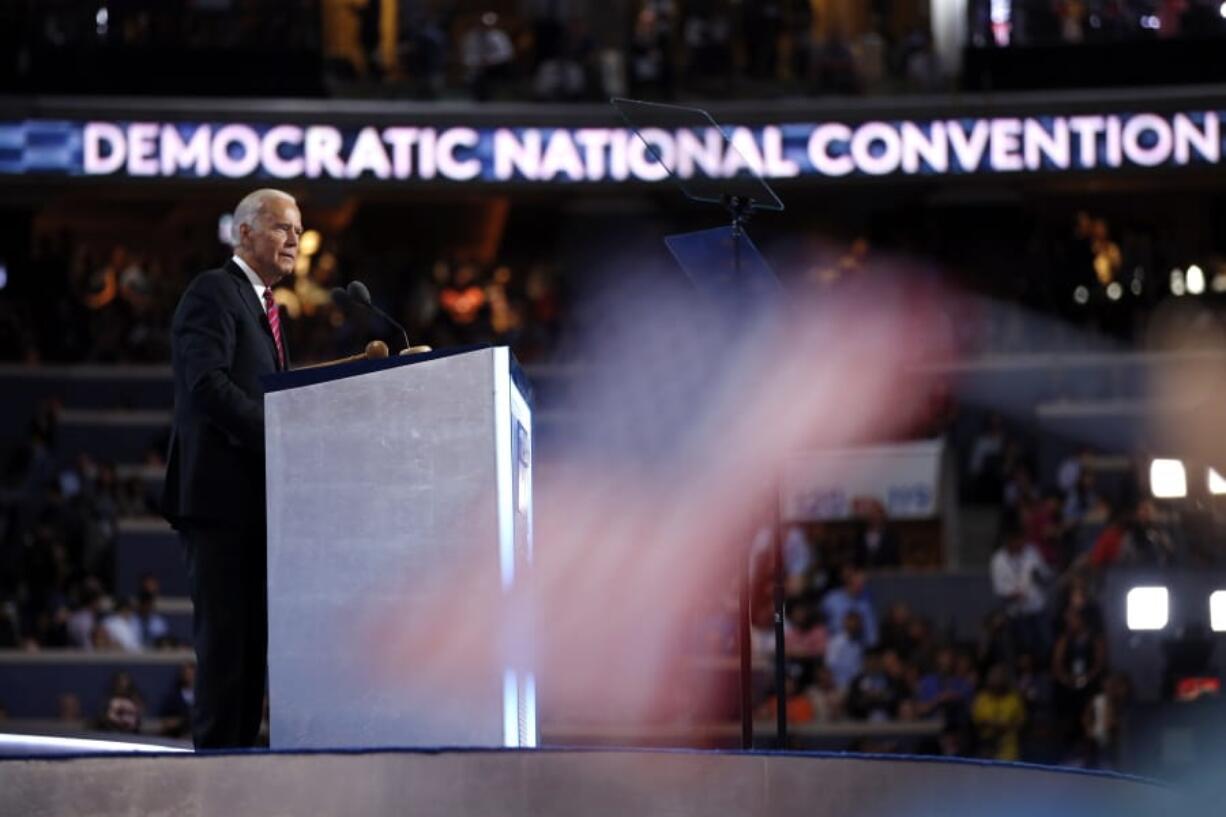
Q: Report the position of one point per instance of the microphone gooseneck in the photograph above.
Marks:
(356, 291)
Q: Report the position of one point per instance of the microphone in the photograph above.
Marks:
(357, 291)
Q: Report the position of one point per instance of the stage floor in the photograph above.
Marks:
(566, 783)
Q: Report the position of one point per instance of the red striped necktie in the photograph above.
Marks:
(274, 322)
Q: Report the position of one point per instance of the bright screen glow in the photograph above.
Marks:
(1148, 608)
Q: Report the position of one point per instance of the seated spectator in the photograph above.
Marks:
(1134, 539)
(805, 635)
(154, 631)
(945, 693)
(826, 697)
(876, 542)
(1033, 684)
(176, 709)
(845, 653)
(123, 707)
(998, 714)
(876, 693)
(799, 705)
(122, 627)
(83, 621)
(896, 629)
(921, 646)
(853, 595)
(1084, 505)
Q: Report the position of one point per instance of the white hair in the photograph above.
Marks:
(249, 209)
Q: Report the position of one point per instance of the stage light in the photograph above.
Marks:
(225, 229)
(1195, 280)
(1219, 282)
(1115, 291)
(1221, 10)
(1136, 286)
(1151, 22)
(1217, 611)
(309, 243)
(1217, 485)
(1167, 479)
(1148, 608)
(1081, 295)
(4, 275)
(1177, 285)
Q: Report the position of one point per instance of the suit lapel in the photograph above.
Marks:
(246, 294)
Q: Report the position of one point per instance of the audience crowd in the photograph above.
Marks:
(545, 50)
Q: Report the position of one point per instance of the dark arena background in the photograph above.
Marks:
(854, 450)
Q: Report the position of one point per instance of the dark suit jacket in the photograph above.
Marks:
(221, 344)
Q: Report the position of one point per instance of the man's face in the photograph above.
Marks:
(270, 245)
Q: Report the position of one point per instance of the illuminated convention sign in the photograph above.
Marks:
(392, 153)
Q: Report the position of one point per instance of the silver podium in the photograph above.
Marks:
(397, 489)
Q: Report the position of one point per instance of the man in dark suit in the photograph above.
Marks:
(226, 334)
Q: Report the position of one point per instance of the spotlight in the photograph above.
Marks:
(1148, 608)
(1177, 285)
(1115, 291)
(1167, 479)
(225, 228)
(1136, 286)
(1217, 485)
(308, 245)
(1219, 282)
(1221, 10)
(1217, 611)
(1081, 295)
(1195, 280)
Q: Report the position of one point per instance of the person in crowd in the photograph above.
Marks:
(799, 703)
(1018, 577)
(87, 615)
(154, 631)
(1078, 664)
(176, 709)
(984, 467)
(805, 636)
(826, 697)
(123, 627)
(945, 693)
(877, 543)
(852, 596)
(845, 653)
(998, 714)
(1135, 539)
(877, 693)
(895, 632)
(488, 56)
(123, 707)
